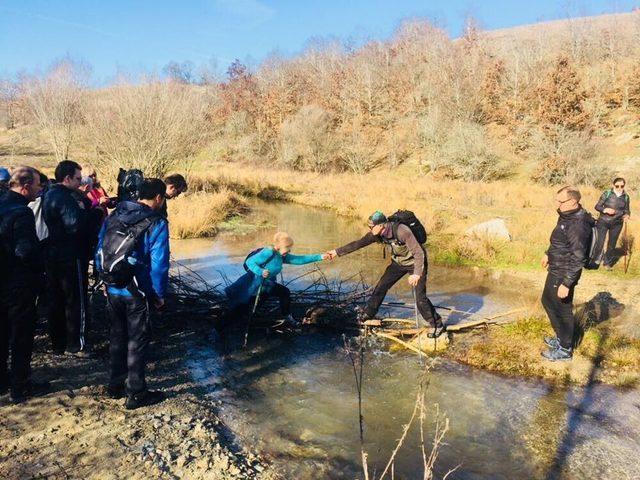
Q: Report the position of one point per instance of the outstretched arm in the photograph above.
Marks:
(365, 241)
(301, 259)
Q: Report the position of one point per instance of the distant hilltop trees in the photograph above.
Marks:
(481, 107)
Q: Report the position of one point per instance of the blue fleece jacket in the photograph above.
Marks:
(151, 254)
(241, 291)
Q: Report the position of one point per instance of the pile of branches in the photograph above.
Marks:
(192, 296)
(320, 302)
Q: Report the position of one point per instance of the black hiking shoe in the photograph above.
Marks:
(31, 389)
(437, 331)
(558, 354)
(143, 399)
(116, 392)
(552, 342)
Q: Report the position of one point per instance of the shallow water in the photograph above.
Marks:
(294, 396)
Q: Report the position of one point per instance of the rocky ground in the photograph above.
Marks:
(75, 431)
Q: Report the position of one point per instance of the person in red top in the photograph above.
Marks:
(97, 194)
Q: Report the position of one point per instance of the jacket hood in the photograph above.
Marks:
(131, 213)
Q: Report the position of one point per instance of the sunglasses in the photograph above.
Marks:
(619, 186)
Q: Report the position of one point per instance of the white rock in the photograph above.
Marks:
(495, 228)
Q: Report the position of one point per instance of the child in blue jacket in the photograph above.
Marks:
(264, 268)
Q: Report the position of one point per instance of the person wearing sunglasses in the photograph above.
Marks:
(564, 260)
(614, 208)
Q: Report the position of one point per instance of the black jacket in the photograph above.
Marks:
(620, 204)
(569, 245)
(20, 255)
(66, 224)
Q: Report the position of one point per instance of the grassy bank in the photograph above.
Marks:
(200, 214)
(603, 355)
(448, 207)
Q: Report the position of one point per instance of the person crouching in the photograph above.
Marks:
(263, 266)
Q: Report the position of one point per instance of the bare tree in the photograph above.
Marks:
(55, 100)
(154, 125)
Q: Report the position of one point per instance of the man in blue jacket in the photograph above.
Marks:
(128, 306)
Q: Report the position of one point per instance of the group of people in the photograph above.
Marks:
(50, 230)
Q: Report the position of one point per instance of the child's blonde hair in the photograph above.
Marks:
(282, 238)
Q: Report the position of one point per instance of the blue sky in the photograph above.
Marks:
(132, 36)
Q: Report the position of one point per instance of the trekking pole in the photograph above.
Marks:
(253, 311)
(415, 305)
(625, 239)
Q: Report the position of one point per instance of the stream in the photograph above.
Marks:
(293, 397)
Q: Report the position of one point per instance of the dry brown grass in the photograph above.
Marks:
(448, 207)
(199, 214)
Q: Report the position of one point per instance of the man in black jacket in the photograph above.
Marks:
(566, 256)
(408, 256)
(22, 269)
(64, 252)
(614, 207)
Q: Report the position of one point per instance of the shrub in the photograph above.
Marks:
(307, 140)
(153, 126)
(466, 155)
(568, 157)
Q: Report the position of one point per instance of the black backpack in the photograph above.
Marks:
(593, 260)
(129, 182)
(255, 252)
(120, 240)
(408, 218)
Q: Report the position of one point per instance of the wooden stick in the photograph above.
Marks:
(401, 342)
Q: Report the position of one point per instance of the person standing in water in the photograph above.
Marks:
(408, 256)
(614, 207)
(263, 266)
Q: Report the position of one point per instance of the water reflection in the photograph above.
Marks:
(293, 396)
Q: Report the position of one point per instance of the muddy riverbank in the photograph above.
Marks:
(76, 432)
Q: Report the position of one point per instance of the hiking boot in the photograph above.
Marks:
(552, 342)
(558, 354)
(116, 392)
(291, 322)
(437, 331)
(143, 399)
(31, 389)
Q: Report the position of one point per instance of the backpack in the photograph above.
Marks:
(117, 265)
(593, 260)
(42, 231)
(129, 182)
(408, 218)
(255, 252)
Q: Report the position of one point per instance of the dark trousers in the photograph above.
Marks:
(559, 310)
(614, 230)
(283, 295)
(128, 341)
(17, 324)
(390, 277)
(67, 305)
